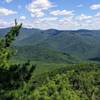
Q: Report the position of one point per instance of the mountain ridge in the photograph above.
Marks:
(82, 43)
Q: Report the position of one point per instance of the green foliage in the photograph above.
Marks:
(80, 82)
(5, 50)
(56, 89)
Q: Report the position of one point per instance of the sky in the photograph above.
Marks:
(47, 14)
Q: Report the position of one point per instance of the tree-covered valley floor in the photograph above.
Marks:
(50, 81)
(43, 80)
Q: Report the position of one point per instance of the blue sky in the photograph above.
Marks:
(46, 14)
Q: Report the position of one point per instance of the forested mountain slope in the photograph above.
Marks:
(81, 43)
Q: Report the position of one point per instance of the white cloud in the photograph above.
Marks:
(6, 12)
(97, 14)
(4, 23)
(37, 7)
(95, 6)
(8, 1)
(61, 12)
(49, 19)
(73, 21)
(22, 17)
(37, 14)
(83, 17)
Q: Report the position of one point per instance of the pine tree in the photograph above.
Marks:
(5, 43)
